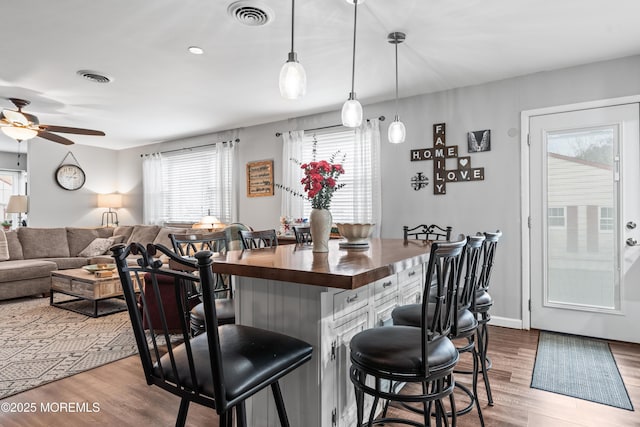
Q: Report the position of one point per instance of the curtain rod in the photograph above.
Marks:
(189, 148)
(278, 134)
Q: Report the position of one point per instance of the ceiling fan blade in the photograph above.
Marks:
(64, 129)
(55, 138)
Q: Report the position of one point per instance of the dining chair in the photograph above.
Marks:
(258, 239)
(303, 234)
(219, 368)
(465, 323)
(426, 232)
(386, 355)
(482, 304)
(187, 245)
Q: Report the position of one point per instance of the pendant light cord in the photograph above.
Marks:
(396, 43)
(293, 9)
(353, 65)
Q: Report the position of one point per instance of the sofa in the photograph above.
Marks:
(33, 253)
(29, 255)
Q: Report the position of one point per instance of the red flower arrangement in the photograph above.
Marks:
(320, 182)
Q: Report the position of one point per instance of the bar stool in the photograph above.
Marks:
(427, 232)
(219, 368)
(409, 354)
(187, 245)
(482, 304)
(465, 323)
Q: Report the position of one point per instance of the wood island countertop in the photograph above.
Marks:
(339, 268)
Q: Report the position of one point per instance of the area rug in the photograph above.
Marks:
(579, 367)
(40, 343)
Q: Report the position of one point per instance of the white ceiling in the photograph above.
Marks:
(161, 92)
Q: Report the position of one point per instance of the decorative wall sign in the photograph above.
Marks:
(479, 140)
(439, 153)
(419, 181)
(260, 178)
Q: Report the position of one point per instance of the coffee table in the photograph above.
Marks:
(85, 286)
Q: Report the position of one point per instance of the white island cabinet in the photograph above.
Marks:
(324, 299)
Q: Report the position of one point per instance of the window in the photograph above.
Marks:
(359, 199)
(606, 219)
(194, 182)
(556, 217)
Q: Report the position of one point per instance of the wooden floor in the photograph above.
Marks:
(124, 399)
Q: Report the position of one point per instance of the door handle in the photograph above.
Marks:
(631, 225)
(632, 242)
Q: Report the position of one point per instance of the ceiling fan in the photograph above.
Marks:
(22, 126)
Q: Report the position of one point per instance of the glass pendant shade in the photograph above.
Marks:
(397, 132)
(293, 79)
(19, 133)
(352, 113)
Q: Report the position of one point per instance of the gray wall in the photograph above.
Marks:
(469, 207)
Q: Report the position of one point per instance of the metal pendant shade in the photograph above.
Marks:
(352, 110)
(293, 78)
(397, 132)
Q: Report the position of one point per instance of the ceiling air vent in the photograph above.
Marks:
(251, 13)
(94, 76)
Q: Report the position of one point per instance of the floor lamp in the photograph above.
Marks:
(19, 205)
(110, 201)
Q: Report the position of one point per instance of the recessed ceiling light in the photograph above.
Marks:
(196, 50)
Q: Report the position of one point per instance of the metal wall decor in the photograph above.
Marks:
(439, 153)
(419, 181)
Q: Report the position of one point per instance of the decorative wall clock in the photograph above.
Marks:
(70, 176)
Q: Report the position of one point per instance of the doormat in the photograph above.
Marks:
(40, 343)
(579, 367)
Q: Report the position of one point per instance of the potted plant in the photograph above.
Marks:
(6, 224)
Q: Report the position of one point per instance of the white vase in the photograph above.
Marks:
(320, 222)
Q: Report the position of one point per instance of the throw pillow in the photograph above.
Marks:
(4, 247)
(99, 246)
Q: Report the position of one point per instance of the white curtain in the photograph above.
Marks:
(224, 181)
(292, 152)
(152, 210)
(367, 180)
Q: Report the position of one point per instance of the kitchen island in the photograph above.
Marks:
(324, 299)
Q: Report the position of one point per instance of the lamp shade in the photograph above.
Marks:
(209, 222)
(19, 133)
(352, 113)
(18, 204)
(293, 80)
(397, 132)
(113, 200)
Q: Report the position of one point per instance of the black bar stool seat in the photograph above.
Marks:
(224, 309)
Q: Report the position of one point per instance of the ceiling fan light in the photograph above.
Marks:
(352, 112)
(19, 133)
(397, 132)
(293, 79)
(353, 1)
(16, 117)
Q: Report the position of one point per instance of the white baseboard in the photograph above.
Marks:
(506, 322)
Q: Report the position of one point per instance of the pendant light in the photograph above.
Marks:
(352, 110)
(293, 79)
(397, 131)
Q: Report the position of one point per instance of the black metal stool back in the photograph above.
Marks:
(187, 245)
(258, 239)
(209, 369)
(426, 232)
(469, 284)
(481, 305)
(303, 234)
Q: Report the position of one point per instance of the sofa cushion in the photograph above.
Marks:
(143, 234)
(123, 230)
(99, 246)
(43, 242)
(4, 247)
(79, 238)
(25, 269)
(15, 248)
(163, 235)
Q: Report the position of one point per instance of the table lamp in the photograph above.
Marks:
(110, 201)
(19, 205)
